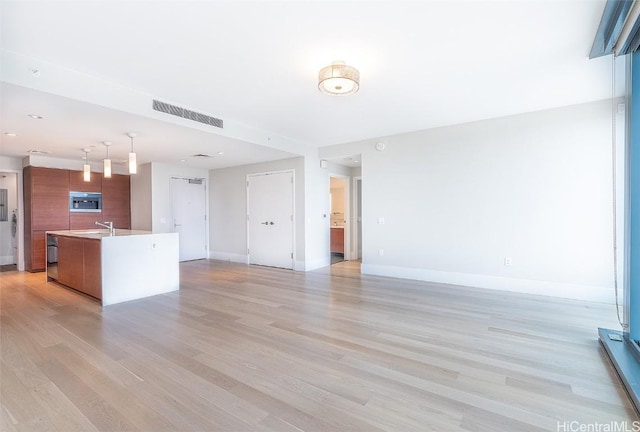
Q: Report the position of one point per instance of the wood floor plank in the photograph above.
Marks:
(250, 348)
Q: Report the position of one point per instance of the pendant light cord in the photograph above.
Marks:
(614, 157)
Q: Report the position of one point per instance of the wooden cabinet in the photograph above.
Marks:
(71, 262)
(92, 268)
(49, 198)
(35, 250)
(80, 221)
(77, 183)
(79, 265)
(116, 201)
(46, 203)
(46, 206)
(337, 240)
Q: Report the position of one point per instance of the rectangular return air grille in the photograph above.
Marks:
(185, 113)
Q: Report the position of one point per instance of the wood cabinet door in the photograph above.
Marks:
(77, 183)
(116, 201)
(35, 258)
(49, 204)
(71, 262)
(81, 221)
(92, 268)
(337, 240)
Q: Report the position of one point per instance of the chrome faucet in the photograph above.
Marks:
(108, 225)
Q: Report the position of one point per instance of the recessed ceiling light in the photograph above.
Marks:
(11, 134)
(183, 160)
(220, 153)
(35, 116)
(356, 162)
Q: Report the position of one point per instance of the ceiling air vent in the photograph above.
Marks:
(188, 114)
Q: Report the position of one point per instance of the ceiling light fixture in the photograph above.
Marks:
(11, 134)
(86, 169)
(133, 167)
(107, 162)
(36, 116)
(338, 79)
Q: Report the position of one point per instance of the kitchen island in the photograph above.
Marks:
(114, 267)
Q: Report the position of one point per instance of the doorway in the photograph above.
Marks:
(8, 221)
(188, 200)
(339, 215)
(270, 219)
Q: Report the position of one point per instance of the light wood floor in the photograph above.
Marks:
(242, 348)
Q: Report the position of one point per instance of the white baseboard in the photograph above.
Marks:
(231, 257)
(244, 259)
(6, 259)
(312, 264)
(526, 286)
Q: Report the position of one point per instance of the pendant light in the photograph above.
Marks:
(86, 169)
(133, 168)
(107, 161)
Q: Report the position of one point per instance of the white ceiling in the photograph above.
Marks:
(69, 125)
(423, 64)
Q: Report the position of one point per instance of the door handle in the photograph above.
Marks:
(271, 223)
(264, 223)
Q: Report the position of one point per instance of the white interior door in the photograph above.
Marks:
(270, 219)
(188, 200)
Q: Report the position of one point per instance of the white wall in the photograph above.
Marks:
(228, 208)
(317, 208)
(8, 241)
(457, 200)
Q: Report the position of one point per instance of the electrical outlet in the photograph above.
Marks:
(508, 261)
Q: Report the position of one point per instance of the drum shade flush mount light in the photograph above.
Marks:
(338, 79)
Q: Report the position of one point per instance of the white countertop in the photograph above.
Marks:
(98, 234)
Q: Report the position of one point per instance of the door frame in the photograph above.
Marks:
(206, 207)
(354, 219)
(293, 207)
(347, 213)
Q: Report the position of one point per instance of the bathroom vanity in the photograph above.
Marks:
(114, 267)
